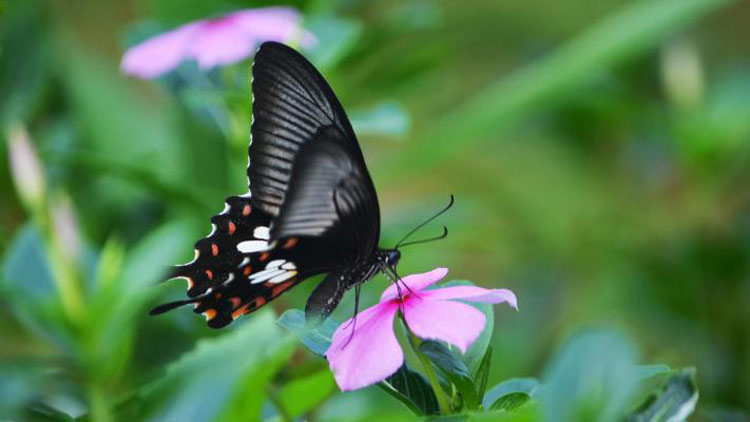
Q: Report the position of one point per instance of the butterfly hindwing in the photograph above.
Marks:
(217, 256)
(332, 197)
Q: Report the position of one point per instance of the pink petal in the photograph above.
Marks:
(159, 54)
(472, 294)
(371, 354)
(214, 42)
(415, 282)
(452, 322)
(220, 43)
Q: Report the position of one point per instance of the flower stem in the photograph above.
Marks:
(432, 378)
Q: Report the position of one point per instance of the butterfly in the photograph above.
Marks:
(312, 207)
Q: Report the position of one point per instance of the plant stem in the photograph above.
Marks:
(429, 372)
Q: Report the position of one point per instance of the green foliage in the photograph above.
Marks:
(598, 153)
(454, 370)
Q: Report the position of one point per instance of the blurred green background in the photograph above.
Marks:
(598, 151)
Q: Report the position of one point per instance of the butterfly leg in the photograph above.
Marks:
(353, 321)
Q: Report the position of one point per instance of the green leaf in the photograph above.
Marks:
(525, 386)
(651, 379)
(510, 402)
(591, 378)
(672, 402)
(413, 390)
(453, 369)
(316, 339)
(483, 372)
(221, 378)
(40, 412)
(301, 395)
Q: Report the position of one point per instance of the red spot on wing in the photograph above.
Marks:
(291, 242)
(246, 210)
(214, 249)
(280, 288)
(231, 228)
(210, 274)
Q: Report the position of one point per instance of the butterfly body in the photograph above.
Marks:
(312, 207)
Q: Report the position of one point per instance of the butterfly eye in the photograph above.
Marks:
(393, 257)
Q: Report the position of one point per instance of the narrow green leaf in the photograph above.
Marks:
(413, 390)
(636, 27)
(452, 368)
(674, 401)
(526, 386)
(483, 372)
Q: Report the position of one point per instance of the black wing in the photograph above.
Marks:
(331, 197)
(313, 207)
(291, 104)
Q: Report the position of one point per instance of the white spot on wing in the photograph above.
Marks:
(283, 277)
(261, 232)
(288, 266)
(264, 275)
(225, 210)
(250, 246)
(276, 263)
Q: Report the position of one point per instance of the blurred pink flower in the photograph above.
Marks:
(213, 42)
(372, 353)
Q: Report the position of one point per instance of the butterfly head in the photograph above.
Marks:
(392, 256)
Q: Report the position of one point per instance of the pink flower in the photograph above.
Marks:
(372, 353)
(212, 42)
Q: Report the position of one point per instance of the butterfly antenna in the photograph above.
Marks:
(432, 239)
(436, 215)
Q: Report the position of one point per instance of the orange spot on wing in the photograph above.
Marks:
(247, 270)
(258, 302)
(279, 289)
(210, 274)
(246, 210)
(231, 228)
(235, 301)
(214, 249)
(263, 256)
(210, 314)
(240, 311)
(291, 242)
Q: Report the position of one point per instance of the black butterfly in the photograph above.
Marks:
(312, 210)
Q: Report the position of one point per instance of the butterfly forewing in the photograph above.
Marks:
(291, 103)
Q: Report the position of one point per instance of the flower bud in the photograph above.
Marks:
(26, 169)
